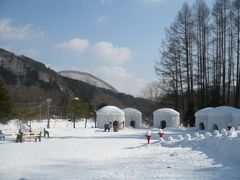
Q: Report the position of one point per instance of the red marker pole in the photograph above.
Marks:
(160, 133)
(148, 136)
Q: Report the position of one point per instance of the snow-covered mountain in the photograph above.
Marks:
(87, 78)
(24, 68)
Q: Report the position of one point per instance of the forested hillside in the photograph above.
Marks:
(30, 83)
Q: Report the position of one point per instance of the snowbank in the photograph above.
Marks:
(15, 125)
(69, 154)
(215, 146)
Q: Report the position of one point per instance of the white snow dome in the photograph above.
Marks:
(166, 117)
(202, 118)
(236, 118)
(133, 117)
(220, 117)
(112, 115)
(204, 111)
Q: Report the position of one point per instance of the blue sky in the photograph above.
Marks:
(115, 40)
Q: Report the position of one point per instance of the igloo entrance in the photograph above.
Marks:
(163, 124)
(201, 126)
(215, 127)
(115, 124)
(132, 123)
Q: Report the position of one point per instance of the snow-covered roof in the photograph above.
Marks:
(166, 111)
(236, 113)
(204, 111)
(131, 111)
(110, 110)
(222, 111)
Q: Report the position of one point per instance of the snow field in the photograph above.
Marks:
(93, 154)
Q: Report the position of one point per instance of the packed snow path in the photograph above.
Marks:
(93, 154)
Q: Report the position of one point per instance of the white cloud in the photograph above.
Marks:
(101, 19)
(76, 45)
(8, 31)
(120, 78)
(101, 52)
(112, 55)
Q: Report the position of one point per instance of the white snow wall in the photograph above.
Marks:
(220, 117)
(133, 116)
(109, 114)
(236, 118)
(201, 116)
(170, 116)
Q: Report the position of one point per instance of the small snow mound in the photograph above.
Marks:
(180, 137)
(238, 134)
(187, 137)
(224, 132)
(232, 129)
(170, 138)
(208, 134)
(196, 135)
(161, 140)
(201, 136)
(216, 132)
(230, 133)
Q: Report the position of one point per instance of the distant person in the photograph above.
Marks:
(106, 127)
(46, 133)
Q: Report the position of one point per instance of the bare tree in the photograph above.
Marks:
(236, 8)
(202, 30)
(152, 91)
(186, 34)
(200, 57)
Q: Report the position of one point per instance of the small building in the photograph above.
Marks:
(166, 117)
(220, 117)
(110, 115)
(211, 119)
(133, 117)
(201, 118)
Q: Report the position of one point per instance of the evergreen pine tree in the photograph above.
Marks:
(6, 109)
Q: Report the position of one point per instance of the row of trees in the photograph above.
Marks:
(200, 57)
(76, 108)
(6, 110)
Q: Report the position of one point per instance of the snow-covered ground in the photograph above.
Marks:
(93, 154)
